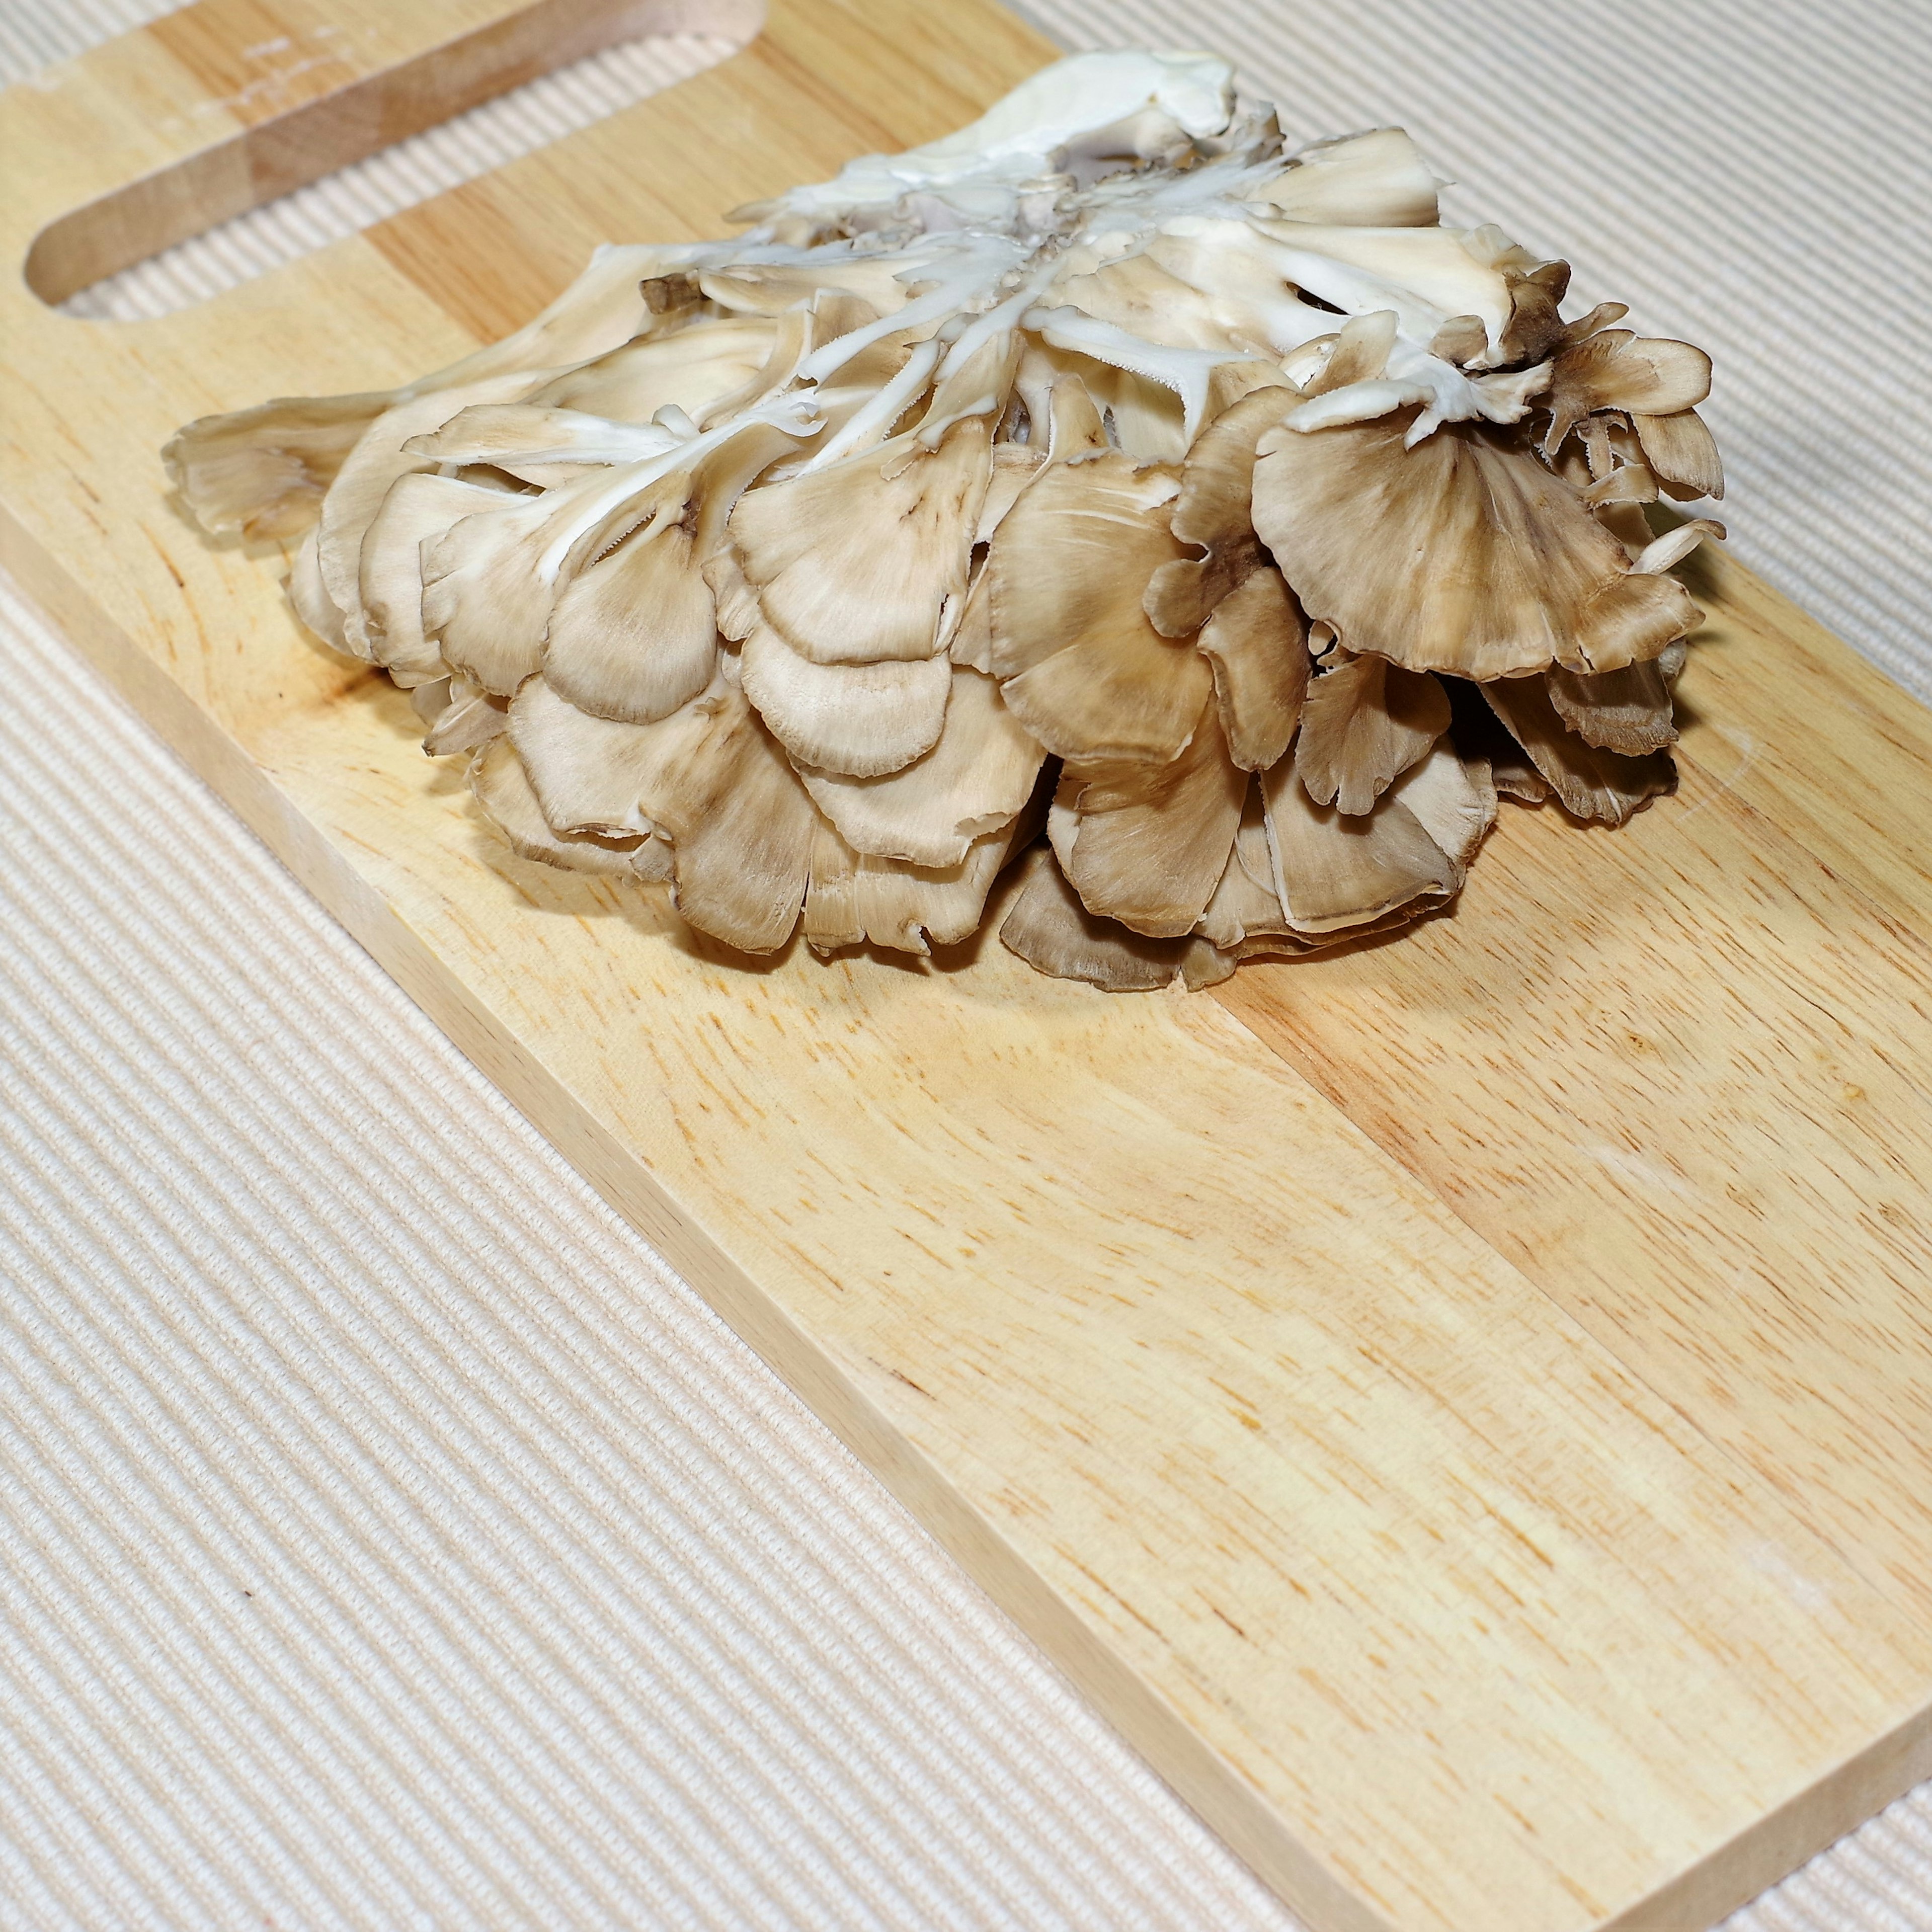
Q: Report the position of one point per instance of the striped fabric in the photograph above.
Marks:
(387, 1537)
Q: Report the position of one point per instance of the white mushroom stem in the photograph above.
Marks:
(794, 413)
(1186, 371)
(870, 424)
(985, 259)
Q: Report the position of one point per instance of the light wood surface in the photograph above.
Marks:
(1461, 1407)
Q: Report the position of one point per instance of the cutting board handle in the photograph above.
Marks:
(201, 116)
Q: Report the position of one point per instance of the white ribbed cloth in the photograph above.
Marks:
(387, 1538)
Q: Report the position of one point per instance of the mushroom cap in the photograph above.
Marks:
(1364, 723)
(1053, 933)
(486, 598)
(1453, 799)
(974, 781)
(856, 899)
(1589, 782)
(502, 788)
(1256, 644)
(263, 471)
(690, 368)
(1246, 904)
(1334, 872)
(538, 445)
(309, 597)
(1213, 510)
(863, 720)
(1079, 665)
(633, 635)
(470, 720)
(1135, 293)
(1146, 840)
(418, 509)
(855, 563)
(350, 504)
(1682, 451)
(1627, 711)
(1464, 554)
(1617, 369)
(710, 778)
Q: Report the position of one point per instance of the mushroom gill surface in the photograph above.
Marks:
(1107, 469)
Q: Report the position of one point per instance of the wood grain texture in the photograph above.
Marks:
(1827, 747)
(1679, 1076)
(1459, 1407)
(252, 98)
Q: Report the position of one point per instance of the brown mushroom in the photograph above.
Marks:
(855, 563)
(1362, 724)
(1101, 452)
(1079, 665)
(1257, 645)
(1589, 783)
(1333, 872)
(1464, 554)
(1146, 840)
(864, 720)
(1053, 933)
(974, 781)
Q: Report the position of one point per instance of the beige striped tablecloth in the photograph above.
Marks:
(387, 1538)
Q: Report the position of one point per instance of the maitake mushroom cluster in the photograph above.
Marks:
(1099, 465)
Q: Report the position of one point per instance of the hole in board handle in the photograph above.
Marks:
(244, 175)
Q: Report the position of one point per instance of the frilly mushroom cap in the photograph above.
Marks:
(1053, 931)
(1213, 511)
(1145, 842)
(1101, 453)
(688, 366)
(1453, 799)
(864, 720)
(309, 598)
(1463, 554)
(418, 509)
(856, 562)
(1363, 724)
(468, 719)
(1333, 872)
(709, 778)
(856, 899)
(1616, 369)
(263, 472)
(975, 780)
(1683, 452)
(1256, 644)
(503, 789)
(1589, 782)
(486, 597)
(1246, 904)
(361, 486)
(1079, 665)
(634, 635)
(1627, 711)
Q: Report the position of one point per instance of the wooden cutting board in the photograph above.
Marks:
(1463, 1408)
